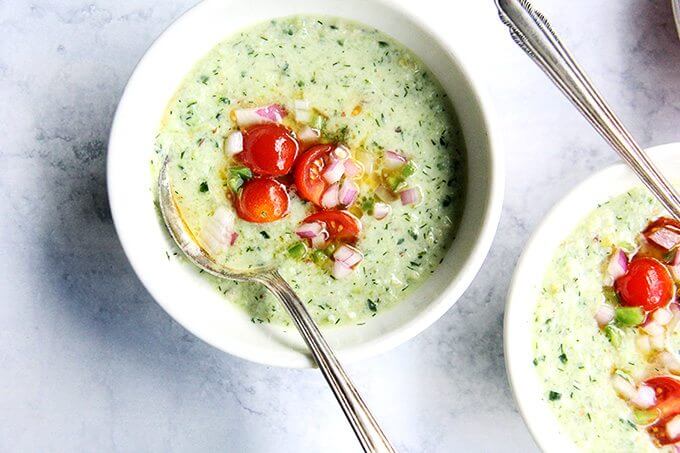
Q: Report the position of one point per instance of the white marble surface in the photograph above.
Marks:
(90, 363)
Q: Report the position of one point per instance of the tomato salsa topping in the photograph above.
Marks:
(268, 164)
(269, 149)
(642, 297)
(647, 284)
(262, 200)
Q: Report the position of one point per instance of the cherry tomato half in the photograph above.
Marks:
(269, 149)
(667, 391)
(663, 233)
(309, 170)
(647, 283)
(341, 225)
(262, 200)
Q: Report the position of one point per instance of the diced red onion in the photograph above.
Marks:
(349, 191)
(394, 160)
(662, 316)
(381, 210)
(319, 241)
(657, 342)
(673, 427)
(670, 361)
(675, 309)
(675, 269)
(353, 169)
(644, 398)
(617, 267)
(664, 237)
(233, 238)
(411, 196)
(334, 171)
(309, 230)
(309, 135)
(643, 343)
(341, 270)
(329, 199)
(653, 329)
(260, 115)
(348, 255)
(234, 143)
(340, 153)
(604, 315)
(217, 233)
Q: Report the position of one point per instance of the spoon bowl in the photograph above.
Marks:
(369, 434)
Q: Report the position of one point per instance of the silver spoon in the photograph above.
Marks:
(371, 437)
(532, 32)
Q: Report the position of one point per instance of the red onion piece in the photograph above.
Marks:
(348, 255)
(234, 144)
(394, 160)
(411, 196)
(353, 169)
(309, 135)
(381, 210)
(260, 115)
(604, 315)
(662, 316)
(234, 236)
(340, 153)
(341, 270)
(319, 241)
(348, 192)
(309, 230)
(329, 199)
(617, 267)
(673, 427)
(217, 233)
(644, 397)
(334, 171)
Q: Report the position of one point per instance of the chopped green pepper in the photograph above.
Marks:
(613, 334)
(298, 250)
(645, 417)
(629, 316)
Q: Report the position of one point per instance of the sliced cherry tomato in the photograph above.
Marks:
(309, 171)
(663, 233)
(667, 391)
(341, 225)
(262, 200)
(647, 283)
(269, 149)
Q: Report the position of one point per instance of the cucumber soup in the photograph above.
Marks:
(322, 146)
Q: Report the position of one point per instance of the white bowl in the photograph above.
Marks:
(189, 298)
(528, 279)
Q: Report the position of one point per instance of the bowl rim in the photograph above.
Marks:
(449, 295)
(605, 184)
(676, 14)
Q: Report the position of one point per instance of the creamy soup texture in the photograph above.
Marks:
(572, 356)
(375, 95)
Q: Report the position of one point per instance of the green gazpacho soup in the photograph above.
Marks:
(325, 147)
(605, 329)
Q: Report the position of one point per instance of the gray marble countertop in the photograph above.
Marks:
(91, 363)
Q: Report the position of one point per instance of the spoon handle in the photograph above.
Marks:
(532, 32)
(365, 427)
